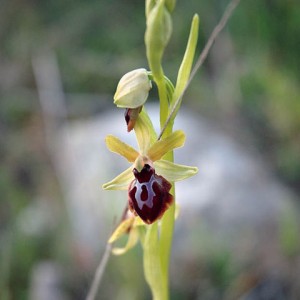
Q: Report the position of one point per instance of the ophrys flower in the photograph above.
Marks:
(150, 178)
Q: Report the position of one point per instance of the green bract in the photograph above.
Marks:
(133, 89)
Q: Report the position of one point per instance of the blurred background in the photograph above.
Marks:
(237, 236)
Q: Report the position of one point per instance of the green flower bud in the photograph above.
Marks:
(170, 5)
(158, 32)
(133, 89)
(148, 7)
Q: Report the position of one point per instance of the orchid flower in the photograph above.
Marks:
(149, 178)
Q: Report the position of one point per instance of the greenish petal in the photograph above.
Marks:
(121, 182)
(145, 133)
(174, 172)
(117, 146)
(121, 230)
(131, 242)
(129, 225)
(161, 147)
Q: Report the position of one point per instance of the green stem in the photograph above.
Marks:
(157, 251)
(167, 223)
(158, 258)
(163, 97)
(166, 231)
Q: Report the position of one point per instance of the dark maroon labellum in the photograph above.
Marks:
(148, 194)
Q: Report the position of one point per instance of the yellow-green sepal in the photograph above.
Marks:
(144, 131)
(115, 145)
(174, 172)
(161, 147)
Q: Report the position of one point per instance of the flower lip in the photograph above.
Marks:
(148, 194)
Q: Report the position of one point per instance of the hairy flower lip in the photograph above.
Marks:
(148, 194)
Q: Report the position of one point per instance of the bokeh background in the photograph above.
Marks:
(60, 62)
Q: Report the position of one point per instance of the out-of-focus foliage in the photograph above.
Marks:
(95, 41)
(270, 81)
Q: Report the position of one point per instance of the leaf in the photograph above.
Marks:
(117, 146)
(161, 147)
(174, 172)
(121, 182)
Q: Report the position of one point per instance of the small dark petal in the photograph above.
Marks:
(126, 115)
(148, 194)
(131, 115)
